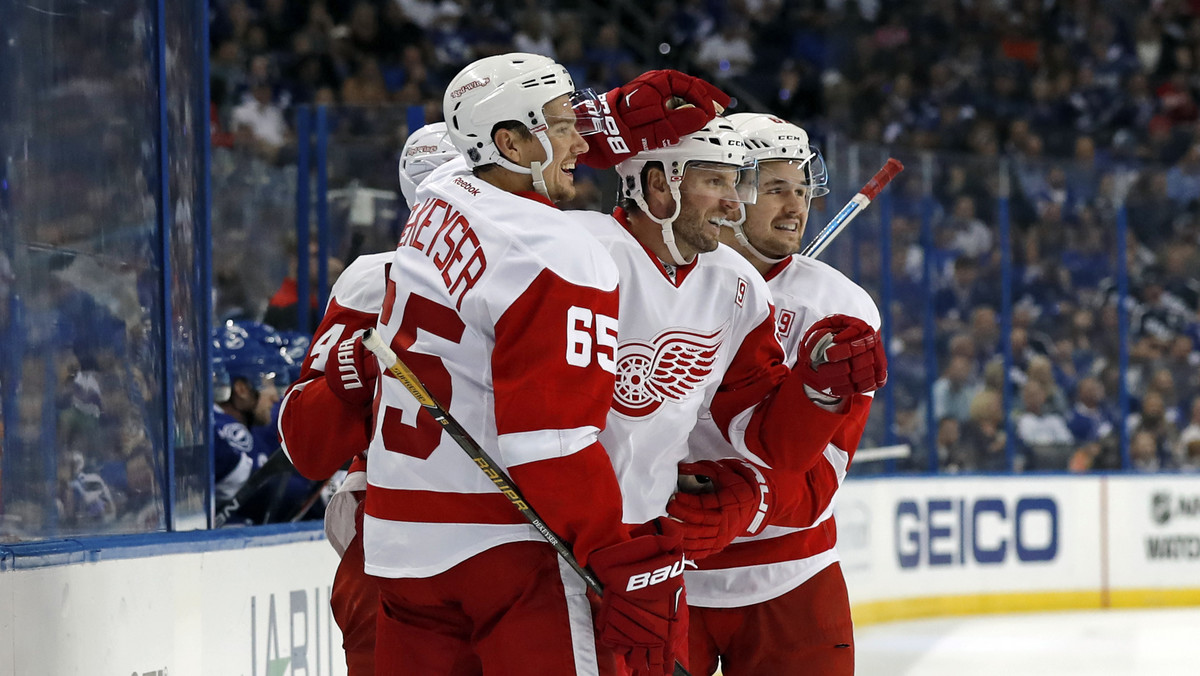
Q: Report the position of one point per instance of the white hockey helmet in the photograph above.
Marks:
(718, 143)
(770, 138)
(511, 88)
(425, 150)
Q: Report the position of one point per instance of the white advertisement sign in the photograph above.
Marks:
(257, 611)
(910, 547)
(923, 537)
(1154, 535)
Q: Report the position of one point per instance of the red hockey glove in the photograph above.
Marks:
(639, 615)
(842, 355)
(737, 505)
(642, 115)
(351, 372)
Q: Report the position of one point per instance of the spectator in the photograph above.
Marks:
(1043, 432)
(613, 63)
(1191, 457)
(1182, 363)
(1041, 370)
(984, 329)
(1159, 314)
(953, 392)
(727, 54)
(1152, 418)
(1091, 420)
(1183, 179)
(962, 293)
(366, 86)
(258, 122)
(281, 311)
(534, 36)
(1143, 452)
(982, 446)
(971, 238)
(798, 92)
(1112, 92)
(1188, 438)
(948, 442)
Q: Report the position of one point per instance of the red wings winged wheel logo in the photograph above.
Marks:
(673, 366)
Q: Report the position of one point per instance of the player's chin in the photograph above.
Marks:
(563, 191)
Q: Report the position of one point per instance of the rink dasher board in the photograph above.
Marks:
(256, 609)
(935, 546)
(258, 605)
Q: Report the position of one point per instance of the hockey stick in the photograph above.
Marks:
(855, 206)
(372, 342)
(278, 463)
(314, 494)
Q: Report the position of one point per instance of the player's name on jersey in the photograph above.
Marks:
(445, 236)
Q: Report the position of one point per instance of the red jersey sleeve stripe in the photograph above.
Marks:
(554, 359)
(756, 371)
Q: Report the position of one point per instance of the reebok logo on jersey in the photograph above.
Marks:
(673, 366)
(656, 576)
(458, 181)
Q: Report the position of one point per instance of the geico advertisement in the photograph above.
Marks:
(1154, 535)
(943, 536)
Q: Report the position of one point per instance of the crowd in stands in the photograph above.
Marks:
(1091, 103)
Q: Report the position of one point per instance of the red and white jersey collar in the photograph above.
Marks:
(536, 197)
(777, 269)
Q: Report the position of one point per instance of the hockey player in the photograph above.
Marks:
(510, 316)
(697, 340)
(776, 602)
(325, 417)
(244, 395)
(697, 330)
(318, 447)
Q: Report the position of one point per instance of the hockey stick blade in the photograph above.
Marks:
(467, 443)
(855, 206)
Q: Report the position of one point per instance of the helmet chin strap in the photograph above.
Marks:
(668, 232)
(739, 233)
(535, 168)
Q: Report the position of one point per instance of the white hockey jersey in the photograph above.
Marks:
(317, 430)
(695, 340)
(785, 555)
(507, 312)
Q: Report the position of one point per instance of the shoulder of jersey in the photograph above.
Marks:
(531, 232)
(825, 289)
(362, 284)
(456, 165)
(724, 256)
